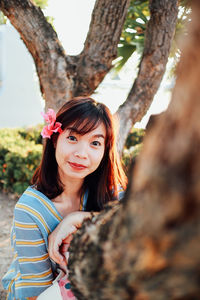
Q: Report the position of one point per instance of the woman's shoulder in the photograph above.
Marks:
(120, 192)
(33, 202)
(36, 206)
(32, 198)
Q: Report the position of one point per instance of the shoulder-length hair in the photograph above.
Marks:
(85, 114)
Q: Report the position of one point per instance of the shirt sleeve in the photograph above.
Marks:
(121, 193)
(32, 262)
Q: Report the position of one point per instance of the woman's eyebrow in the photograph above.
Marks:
(74, 130)
(99, 136)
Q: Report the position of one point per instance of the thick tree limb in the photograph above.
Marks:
(42, 42)
(149, 248)
(159, 34)
(101, 44)
(62, 77)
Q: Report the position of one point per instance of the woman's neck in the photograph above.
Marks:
(69, 200)
(72, 186)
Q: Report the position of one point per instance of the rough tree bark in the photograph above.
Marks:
(159, 34)
(62, 76)
(148, 247)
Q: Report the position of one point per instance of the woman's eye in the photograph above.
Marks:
(96, 143)
(72, 138)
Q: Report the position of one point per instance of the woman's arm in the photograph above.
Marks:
(63, 234)
(33, 263)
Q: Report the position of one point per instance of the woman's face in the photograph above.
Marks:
(79, 155)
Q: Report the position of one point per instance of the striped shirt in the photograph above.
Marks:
(31, 271)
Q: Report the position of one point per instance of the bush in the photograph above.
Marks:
(129, 155)
(19, 157)
(132, 147)
(32, 133)
(135, 137)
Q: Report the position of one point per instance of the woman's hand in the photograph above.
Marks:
(62, 235)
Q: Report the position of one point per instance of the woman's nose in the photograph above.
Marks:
(81, 152)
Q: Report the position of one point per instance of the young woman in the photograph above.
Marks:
(80, 172)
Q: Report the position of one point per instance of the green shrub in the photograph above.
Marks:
(132, 147)
(135, 137)
(19, 157)
(32, 133)
(129, 155)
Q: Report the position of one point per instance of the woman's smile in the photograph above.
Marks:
(79, 155)
(76, 166)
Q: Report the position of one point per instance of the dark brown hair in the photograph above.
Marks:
(85, 114)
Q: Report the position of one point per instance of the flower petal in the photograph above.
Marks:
(50, 116)
(46, 132)
(57, 127)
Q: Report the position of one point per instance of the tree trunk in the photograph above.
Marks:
(159, 34)
(148, 247)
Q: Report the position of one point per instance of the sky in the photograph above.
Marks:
(71, 21)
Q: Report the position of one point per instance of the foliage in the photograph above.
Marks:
(19, 156)
(133, 147)
(41, 3)
(135, 137)
(132, 37)
(129, 156)
(32, 133)
(3, 19)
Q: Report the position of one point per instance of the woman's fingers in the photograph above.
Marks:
(54, 250)
(64, 248)
(68, 239)
(63, 234)
(55, 241)
(77, 218)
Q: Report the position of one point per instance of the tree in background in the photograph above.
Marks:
(63, 76)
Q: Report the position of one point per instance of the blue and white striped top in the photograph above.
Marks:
(31, 271)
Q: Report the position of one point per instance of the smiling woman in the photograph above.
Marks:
(80, 152)
(82, 118)
(80, 172)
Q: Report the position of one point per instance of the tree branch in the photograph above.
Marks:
(42, 42)
(159, 35)
(101, 44)
(62, 77)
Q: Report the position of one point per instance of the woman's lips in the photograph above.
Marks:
(77, 166)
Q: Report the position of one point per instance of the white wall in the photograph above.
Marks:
(20, 98)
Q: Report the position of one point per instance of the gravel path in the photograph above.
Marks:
(7, 204)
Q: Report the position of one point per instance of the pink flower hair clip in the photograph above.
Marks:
(53, 126)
